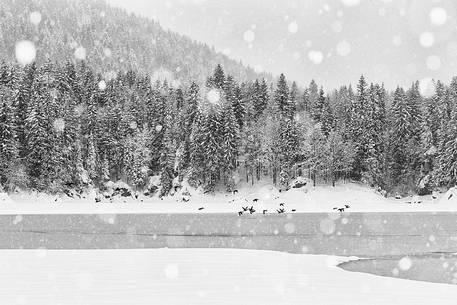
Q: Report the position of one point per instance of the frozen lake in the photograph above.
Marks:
(428, 238)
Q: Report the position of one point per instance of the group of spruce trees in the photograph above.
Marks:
(64, 126)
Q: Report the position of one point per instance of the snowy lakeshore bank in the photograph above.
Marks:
(200, 276)
(265, 197)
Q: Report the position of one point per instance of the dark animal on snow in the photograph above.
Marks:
(335, 208)
(341, 210)
(251, 210)
(245, 209)
(264, 212)
(281, 204)
(201, 209)
(235, 192)
(294, 210)
(450, 196)
(185, 199)
(347, 206)
(97, 200)
(255, 200)
(136, 196)
(240, 213)
(280, 211)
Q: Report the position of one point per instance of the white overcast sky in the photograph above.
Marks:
(334, 41)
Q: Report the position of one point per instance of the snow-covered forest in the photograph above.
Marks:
(62, 125)
(90, 93)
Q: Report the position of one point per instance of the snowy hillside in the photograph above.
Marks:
(110, 39)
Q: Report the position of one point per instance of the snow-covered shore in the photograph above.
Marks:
(321, 199)
(199, 276)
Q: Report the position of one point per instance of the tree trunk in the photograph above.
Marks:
(274, 175)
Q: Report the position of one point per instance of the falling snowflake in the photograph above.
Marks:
(343, 48)
(327, 226)
(110, 75)
(102, 85)
(59, 125)
(107, 52)
(249, 36)
(315, 56)
(80, 53)
(293, 27)
(35, 18)
(133, 125)
(25, 52)
(426, 87)
(17, 219)
(107, 218)
(405, 263)
(213, 96)
(427, 39)
(438, 16)
(289, 227)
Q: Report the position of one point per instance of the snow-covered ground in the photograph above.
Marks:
(199, 276)
(303, 200)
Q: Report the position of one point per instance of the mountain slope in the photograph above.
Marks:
(109, 38)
